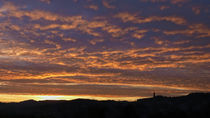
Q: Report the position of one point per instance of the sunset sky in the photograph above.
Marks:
(103, 49)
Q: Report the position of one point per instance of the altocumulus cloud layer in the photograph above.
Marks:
(104, 47)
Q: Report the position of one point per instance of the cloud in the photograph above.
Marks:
(159, 41)
(164, 7)
(15, 11)
(196, 29)
(95, 41)
(154, 1)
(179, 1)
(69, 39)
(107, 4)
(196, 10)
(106, 90)
(46, 1)
(175, 2)
(134, 18)
(8, 6)
(57, 46)
(94, 7)
(139, 34)
(181, 42)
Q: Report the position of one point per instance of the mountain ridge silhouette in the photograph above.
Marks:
(193, 105)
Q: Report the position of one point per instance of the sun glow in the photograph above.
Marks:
(51, 97)
(18, 98)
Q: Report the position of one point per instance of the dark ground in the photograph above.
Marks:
(195, 105)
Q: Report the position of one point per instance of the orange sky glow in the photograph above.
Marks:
(103, 49)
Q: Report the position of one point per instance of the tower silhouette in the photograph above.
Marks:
(154, 95)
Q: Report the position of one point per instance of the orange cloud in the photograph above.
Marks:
(94, 7)
(176, 2)
(139, 34)
(164, 7)
(199, 29)
(16, 11)
(179, 1)
(57, 46)
(127, 17)
(46, 1)
(8, 6)
(107, 4)
(95, 41)
(196, 10)
(154, 1)
(69, 39)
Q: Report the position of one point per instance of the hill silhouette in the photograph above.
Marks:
(194, 105)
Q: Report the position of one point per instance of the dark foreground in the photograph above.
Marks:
(196, 105)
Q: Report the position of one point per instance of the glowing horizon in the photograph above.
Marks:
(7, 98)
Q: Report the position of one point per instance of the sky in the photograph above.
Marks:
(103, 49)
